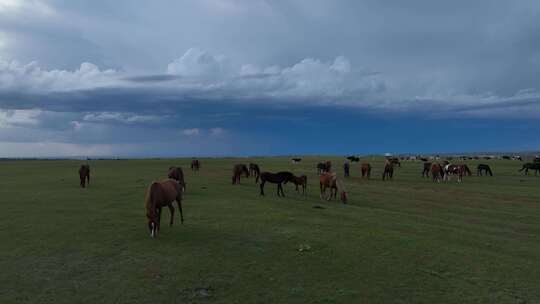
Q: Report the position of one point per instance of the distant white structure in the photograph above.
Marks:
(388, 154)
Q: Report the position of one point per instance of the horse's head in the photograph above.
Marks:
(153, 227)
(245, 170)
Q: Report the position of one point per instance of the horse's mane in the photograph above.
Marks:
(150, 202)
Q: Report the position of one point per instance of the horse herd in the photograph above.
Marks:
(164, 193)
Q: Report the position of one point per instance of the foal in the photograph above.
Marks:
(302, 181)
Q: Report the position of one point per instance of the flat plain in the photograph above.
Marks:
(408, 240)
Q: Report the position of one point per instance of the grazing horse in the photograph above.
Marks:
(459, 170)
(195, 165)
(437, 172)
(346, 169)
(255, 171)
(276, 178)
(388, 172)
(366, 170)
(177, 174)
(300, 181)
(427, 168)
(159, 195)
(237, 172)
(531, 166)
(84, 175)
(483, 168)
(330, 180)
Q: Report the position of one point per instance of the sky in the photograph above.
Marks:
(135, 78)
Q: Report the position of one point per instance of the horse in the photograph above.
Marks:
(195, 165)
(353, 159)
(300, 181)
(330, 180)
(483, 168)
(159, 195)
(321, 168)
(84, 175)
(459, 170)
(366, 170)
(237, 172)
(437, 172)
(255, 171)
(346, 169)
(388, 172)
(531, 166)
(276, 178)
(395, 161)
(296, 160)
(177, 174)
(427, 167)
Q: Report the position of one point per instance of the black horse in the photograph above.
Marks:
(427, 168)
(483, 168)
(254, 170)
(388, 172)
(276, 178)
(531, 166)
(353, 159)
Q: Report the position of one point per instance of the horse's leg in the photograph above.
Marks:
(171, 209)
(159, 218)
(321, 185)
(88, 177)
(280, 188)
(179, 202)
(262, 187)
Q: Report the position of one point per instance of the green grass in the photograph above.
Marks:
(404, 241)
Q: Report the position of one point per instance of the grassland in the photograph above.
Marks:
(404, 241)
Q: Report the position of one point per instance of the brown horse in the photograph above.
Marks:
(195, 165)
(84, 175)
(159, 195)
(276, 178)
(388, 172)
(366, 170)
(300, 181)
(437, 172)
(237, 172)
(330, 180)
(177, 174)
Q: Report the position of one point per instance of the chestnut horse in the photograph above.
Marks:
(159, 195)
(276, 178)
(366, 170)
(84, 175)
(195, 165)
(177, 174)
(330, 180)
(300, 181)
(437, 172)
(237, 172)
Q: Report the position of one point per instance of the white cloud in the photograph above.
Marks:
(19, 117)
(120, 117)
(217, 131)
(191, 132)
(14, 75)
(198, 63)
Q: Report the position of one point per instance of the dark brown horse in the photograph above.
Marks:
(177, 174)
(531, 166)
(427, 168)
(437, 172)
(366, 170)
(395, 161)
(485, 169)
(300, 181)
(330, 181)
(159, 195)
(237, 172)
(84, 175)
(276, 178)
(195, 165)
(388, 172)
(254, 170)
